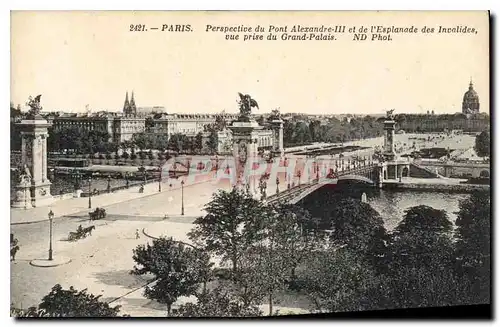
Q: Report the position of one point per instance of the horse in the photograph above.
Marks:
(88, 230)
(13, 251)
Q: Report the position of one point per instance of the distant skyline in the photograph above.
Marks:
(76, 59)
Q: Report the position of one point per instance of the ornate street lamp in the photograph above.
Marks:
(159, 178)
(90, 192)
(51, 216)
(182, 198)
(109, 183)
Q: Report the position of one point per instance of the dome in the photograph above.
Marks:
(470, 103)
(471, 94)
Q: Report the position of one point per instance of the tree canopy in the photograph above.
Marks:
(234, 221)
(74, 303)
(178, 269)
(482, 144)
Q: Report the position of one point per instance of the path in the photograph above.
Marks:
(74, 206)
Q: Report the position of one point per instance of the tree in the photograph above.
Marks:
(294, 234)
(219, 302)
(339, 281)
(420, 257)
(212, 142)
(141, 140)
(422, 238)
(473, 247)
(198, 142)
(73, 303)
(177, 142)
(234, 221)
(482, 145)
(178, 269)
(262, 271)
(354, 224)
(79, 140)
(314, 128)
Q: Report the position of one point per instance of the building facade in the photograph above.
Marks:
(133, 120)
(470, 120)
(91, 122)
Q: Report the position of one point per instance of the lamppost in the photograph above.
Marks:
(263, 187)
(90, 192)
(109, 183)
(51, 216)
(25, 198)
(159, 178)
(182, 198)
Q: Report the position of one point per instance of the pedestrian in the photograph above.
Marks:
(137, 234)
(165, 217)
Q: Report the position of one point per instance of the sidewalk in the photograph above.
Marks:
(80, 206)
(75, 206)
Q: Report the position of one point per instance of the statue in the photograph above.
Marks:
(34, 105)
(24, 176)
(390, 113)
(246, 104)
(27, 171)
(275, 114)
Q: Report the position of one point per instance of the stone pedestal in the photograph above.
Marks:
(23, 196)
(389, 152)
(394, 170)
(34, 163)
(245, 153)
(277, 127)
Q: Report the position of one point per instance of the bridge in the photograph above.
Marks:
(451, 168)
(365, 174)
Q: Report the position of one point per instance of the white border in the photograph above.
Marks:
(196, 5)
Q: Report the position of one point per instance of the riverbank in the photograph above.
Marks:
(455, 187)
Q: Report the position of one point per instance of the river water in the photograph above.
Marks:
(392, 204)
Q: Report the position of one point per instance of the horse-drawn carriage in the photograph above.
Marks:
(99, 213)
(80, 233)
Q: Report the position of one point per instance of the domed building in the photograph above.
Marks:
(470, 103)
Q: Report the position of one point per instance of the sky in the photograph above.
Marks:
(76, 59)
